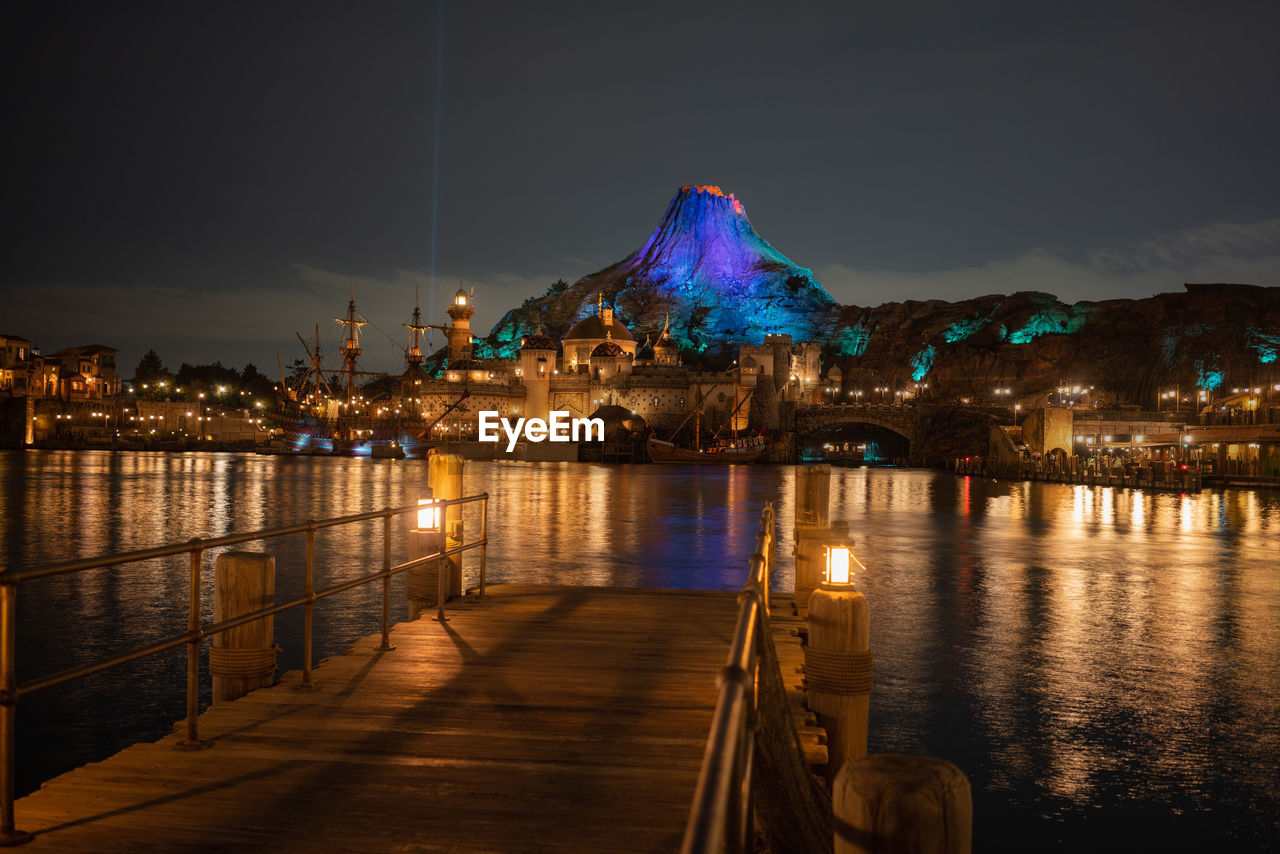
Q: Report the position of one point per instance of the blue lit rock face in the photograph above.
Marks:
(704, 264)
(1054, 320)
(921, 363)
(1266, 345)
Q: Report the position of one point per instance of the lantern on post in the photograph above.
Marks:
(838, 565)
(430, 514)
(837, 657)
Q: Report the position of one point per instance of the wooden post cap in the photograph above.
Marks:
(892, 803)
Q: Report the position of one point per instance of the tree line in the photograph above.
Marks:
(152, 379)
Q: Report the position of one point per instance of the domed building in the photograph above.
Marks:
(589, 333)
(608, 359)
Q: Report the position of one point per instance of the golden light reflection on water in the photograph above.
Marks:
(1068, 646)
(1123, 648)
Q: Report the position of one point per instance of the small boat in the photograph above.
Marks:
(741, 451)
(746, 449)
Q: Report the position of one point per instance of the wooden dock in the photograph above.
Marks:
(540, 718)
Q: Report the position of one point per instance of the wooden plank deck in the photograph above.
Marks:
(538, 719)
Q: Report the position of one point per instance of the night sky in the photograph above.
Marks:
(205, 179)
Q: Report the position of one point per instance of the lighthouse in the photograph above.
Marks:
(459, 333)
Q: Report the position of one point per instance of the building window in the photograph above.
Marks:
(682, 403)
(655, 401)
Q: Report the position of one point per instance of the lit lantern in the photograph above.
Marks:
(838, 566)
(429, 511)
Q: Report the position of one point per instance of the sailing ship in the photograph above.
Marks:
(736, 449)
(383, 418)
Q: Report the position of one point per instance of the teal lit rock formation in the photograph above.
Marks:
(704, 265)
(1206, 337)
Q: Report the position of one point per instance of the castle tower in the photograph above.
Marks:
(666, 351)
(459, 333)
(537, 363)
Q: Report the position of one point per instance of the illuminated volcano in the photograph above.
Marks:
(704, 265)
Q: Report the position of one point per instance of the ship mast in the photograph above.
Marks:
(413, 354)
(351, 343)
(697, 430)
(313, 385)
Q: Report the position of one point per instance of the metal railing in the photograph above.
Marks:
(11, 692)
(721, 817)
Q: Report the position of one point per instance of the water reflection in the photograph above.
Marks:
(1099, 661)
(1092, 655)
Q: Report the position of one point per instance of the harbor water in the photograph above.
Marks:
(1103, 663)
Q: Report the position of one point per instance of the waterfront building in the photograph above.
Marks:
(581, 341)
(73, 373)
(88, 372)
(599, 363)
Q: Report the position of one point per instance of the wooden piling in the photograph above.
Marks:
(444, 475)
(809, 557)
(902, 804)
(837, 671)
(812, 504)
(813, 496)
(244, 657)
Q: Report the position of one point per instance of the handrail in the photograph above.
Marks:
(11, 692)
(721, 813)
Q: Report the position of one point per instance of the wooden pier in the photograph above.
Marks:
(538, 718)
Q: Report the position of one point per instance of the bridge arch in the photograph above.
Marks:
(892, 431)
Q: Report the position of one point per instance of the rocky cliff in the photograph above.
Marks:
(1210, 336)
(724, 285)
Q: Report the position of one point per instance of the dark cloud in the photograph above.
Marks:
(186, 171)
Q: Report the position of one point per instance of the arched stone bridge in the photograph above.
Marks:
(903, 420)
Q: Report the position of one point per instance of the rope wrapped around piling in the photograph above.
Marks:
(242, 663)
(843, 673)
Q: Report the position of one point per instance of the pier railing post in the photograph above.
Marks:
(9, 835)
(386, 645)
(484, 537)
(308, 607)
(192, 739)
(442, 587)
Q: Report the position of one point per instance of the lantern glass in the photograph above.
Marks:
(838, 565)
(428, 514)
